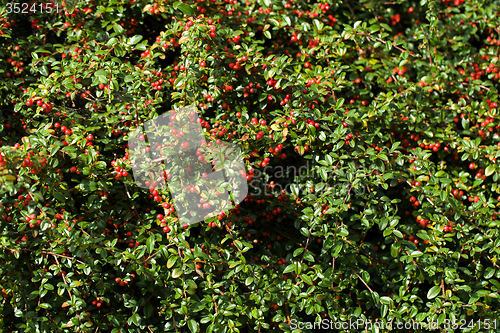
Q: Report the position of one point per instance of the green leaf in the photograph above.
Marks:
(54, 149)
(148, 309)
(41, 51)
(385, 300)
(150, 244)
(274, 21)
(171, 261)
(185, 8)
(112, 41)
(134, 40)
(267, 33)
(336, 250)
(394, 249)
(343, 232)
(248, 280)
(101, 72)
(71, 5)
(298, 251)
(323, 174)
(135, 319)
(193, 326)
(176, 273)
(272, 72)
(309, 257)
(119, 51)
(318, 25)
(238, 244)
(289, 268)
(44, 71)
(59, 196)
(397, 233)
(101, 76)
(433, 292)
(75, 284)
(465, 123)
(490, 169)
(118, 28)
(489, 272)
(307, 279)
(386, 27)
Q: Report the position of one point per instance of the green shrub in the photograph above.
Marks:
(385, 114)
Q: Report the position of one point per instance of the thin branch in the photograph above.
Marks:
(305, 247)
(135, 209)
(428, 50)
(63, 276)
(367, 286)
(479, 85)
(333, 268)
(48, 252)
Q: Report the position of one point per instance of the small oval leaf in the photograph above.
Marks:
(433, 292)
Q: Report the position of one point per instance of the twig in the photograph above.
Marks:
(305, 247)
(63, 276)
(333, 268)
(367, 286)
(154, 254)
(146, 301)
(479, 85)
(428, 50)
(135, 209)
(48, 252)
(383, 41)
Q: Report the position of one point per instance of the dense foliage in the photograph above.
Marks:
(384, 114)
